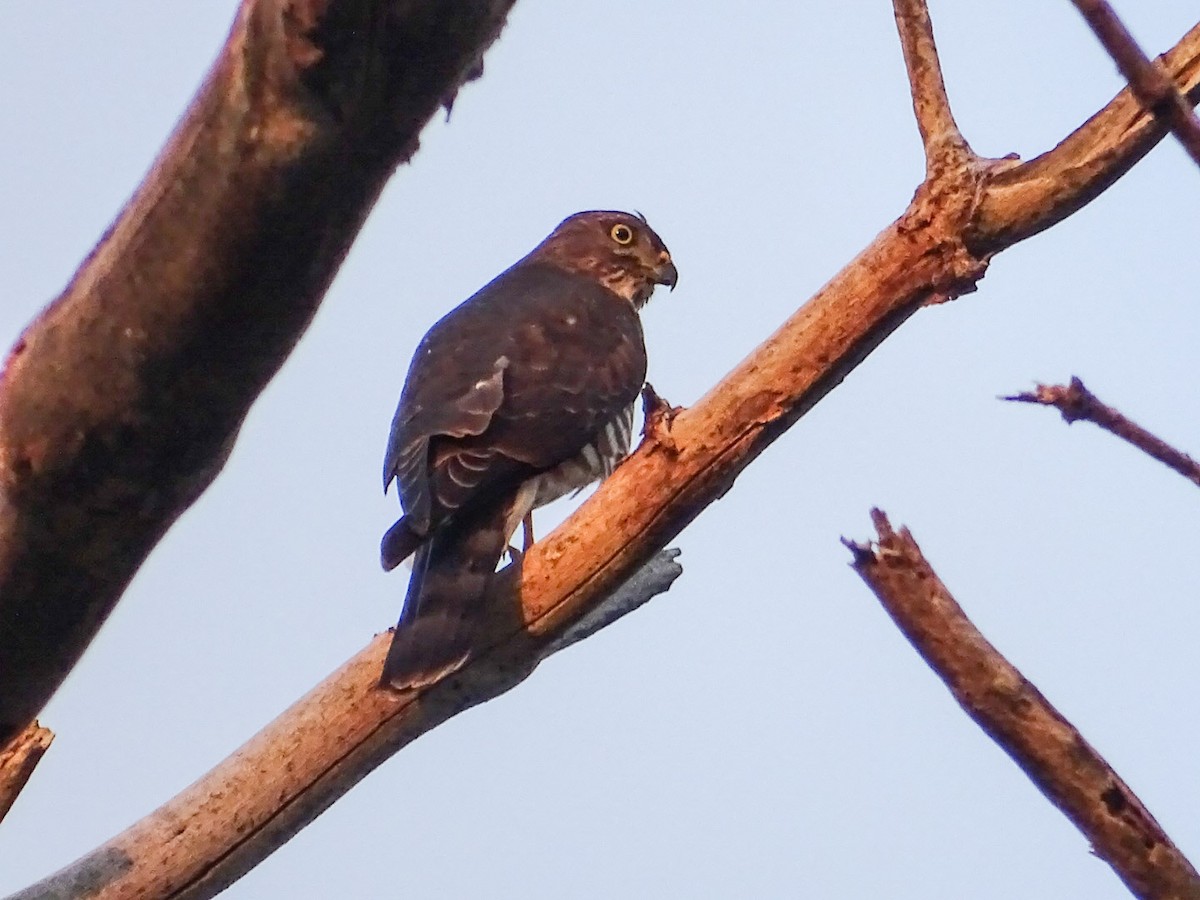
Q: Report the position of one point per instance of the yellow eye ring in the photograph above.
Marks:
(622, 234)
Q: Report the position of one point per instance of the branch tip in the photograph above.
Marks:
(883, 525)
(862, 552)
(1075, 403)
(1051, 751)
(18, 760)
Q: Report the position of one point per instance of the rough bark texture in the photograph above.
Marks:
(1055, 756)
(18, 760)
(121, 401)
(203, 840)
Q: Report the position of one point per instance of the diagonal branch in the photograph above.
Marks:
(1076, 402)
(1025, 199)
(17, 762)
(120, 403)
(939, 247)
(1013, 712)
(289, 773)
(945, 147)
(1150, 84)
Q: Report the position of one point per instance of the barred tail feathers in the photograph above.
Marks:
(446, 598)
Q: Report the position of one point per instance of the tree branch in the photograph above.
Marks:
(1076, 402)
(1025, 199)
(18, 760)
(121, 401)
(1150, 84)
(309, 756)
(945, 147)
(1012, 711)
(938, 248)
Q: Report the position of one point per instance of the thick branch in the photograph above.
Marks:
(18, 760)
(945, 146)
(688, 460)
(1150, 84)
(122, 400)
(1049, 749)
(1076, 402)
(308, 757)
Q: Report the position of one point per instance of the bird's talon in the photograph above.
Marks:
(659, 416)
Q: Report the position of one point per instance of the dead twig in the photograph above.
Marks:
(1076, 403)
(1152, 86)
(1048, 748)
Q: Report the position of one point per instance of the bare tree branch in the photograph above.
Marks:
(18, 760)
(938, 248)
(308, 757)
(945, 146)
(1024, 199)
(1150, 84)
(122, 400)
(1012, 711)
(1076, 402)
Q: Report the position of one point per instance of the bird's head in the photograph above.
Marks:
(618, 249)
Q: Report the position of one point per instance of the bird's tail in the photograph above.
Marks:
(446, 599)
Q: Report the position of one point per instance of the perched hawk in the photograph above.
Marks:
(518, 396)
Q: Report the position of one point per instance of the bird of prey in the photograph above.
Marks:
(521, 394)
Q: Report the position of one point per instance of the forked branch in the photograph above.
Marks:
(1048, 748)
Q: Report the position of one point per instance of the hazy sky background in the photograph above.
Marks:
(763, 730)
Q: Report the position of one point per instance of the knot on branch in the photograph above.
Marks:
(938, 217)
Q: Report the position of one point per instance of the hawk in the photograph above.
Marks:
(521, 394)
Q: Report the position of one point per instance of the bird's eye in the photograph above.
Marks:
(622, 234)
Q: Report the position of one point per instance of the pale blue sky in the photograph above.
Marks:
(762, 730)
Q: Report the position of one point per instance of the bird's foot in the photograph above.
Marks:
(659, 415)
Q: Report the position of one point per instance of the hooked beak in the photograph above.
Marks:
(665, 272)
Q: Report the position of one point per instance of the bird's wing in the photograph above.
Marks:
(512, 382)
